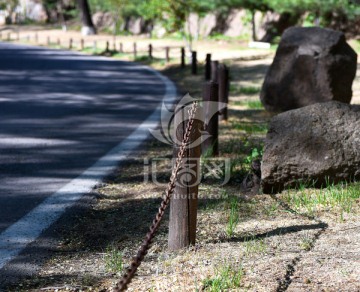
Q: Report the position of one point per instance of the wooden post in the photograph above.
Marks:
(114, 45)
(208, 67)
(48, 40)
(167, 54)
(82, 44)
(0, 35)
(210, 96)
(223, 90)
(28, 38)
(214, 71)
(107, 46)
(9, 36)
(36, 38)
(121, 50)
(182, 57)
(183, 205)
(70, 44)
(17, 35)
(194, 63)
(135, 52)
(95, 46)
(150, 51)
(58, 42)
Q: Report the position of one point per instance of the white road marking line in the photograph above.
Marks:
(26, 230)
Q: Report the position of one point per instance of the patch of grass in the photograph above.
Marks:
(233, 216)
(342, 196)
(250, 128)
(306, 242)
(255, 246)
(226, 278)
(251, 104)
(249, 90)
(114, 260)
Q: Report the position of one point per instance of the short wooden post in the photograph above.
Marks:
(95, 46)
(70, 44)
(107, 46)
(210, 97)
(208, 67)
(182, 57)
(114, 45)
(82, 44)
(167, 54)
(9, 36)
(214, 71)
(121, 49)
(135, 51)
(223, 90)
(36, 38)
(48, 40)
(194, 63)
(150, 51)
(58, 42)
(0, 35)
(183, 204)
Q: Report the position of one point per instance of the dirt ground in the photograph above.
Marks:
(275, 244)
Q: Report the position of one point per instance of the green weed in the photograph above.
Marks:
(114, 260)
(226, 278)
(233, 216)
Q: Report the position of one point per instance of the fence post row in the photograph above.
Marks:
(167, 54)
(183, 204)
(208, 67)
(150, 51)
(194, 62)
(210, 146)
(214, 71)
(182, 57)
(223, 79)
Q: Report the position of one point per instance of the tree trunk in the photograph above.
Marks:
(253, 26)
(277, 28)
(88, 27)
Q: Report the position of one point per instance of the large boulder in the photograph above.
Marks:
(311, 65)
(316, 144)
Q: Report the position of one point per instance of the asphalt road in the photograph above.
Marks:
(59, 112)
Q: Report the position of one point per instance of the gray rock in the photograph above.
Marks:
(314, 144)
(311, 65)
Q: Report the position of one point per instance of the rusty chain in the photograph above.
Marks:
(129, 274)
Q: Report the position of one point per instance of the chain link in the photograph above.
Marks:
(129, 274)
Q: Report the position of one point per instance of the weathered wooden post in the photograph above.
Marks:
(17, 35)
(9, 36)
(70, 44)
(167, 54)
(223, 89)
(82, 44)
(135, 51)
(183, 205)
(194, 62)
(121, 50)
(182, 57)
(58, 42)
(95, 46)
(107, 46)
(208, 67)
(214, 71)
(48, 41)
(150, 51)
(36, 38)
(114, 45)
(210, 146)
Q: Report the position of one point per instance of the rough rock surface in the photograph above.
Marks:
(313, 144)
(311, 65)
